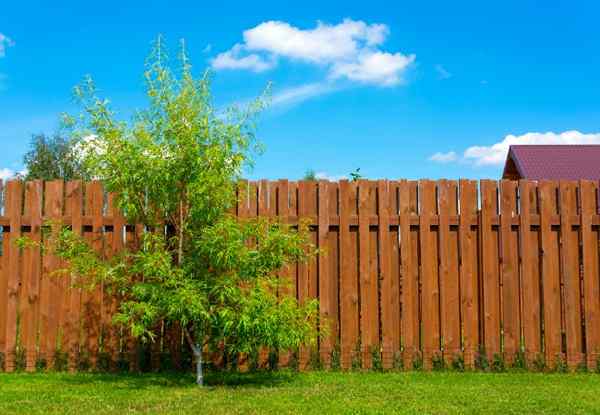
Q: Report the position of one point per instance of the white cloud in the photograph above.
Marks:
(379, 68)
(443, 72)
(495, 154)
(296, 94)
(347, 50)
(5, 43)
(444, 157)
(232, 60)
(8, 174)
(332, 178)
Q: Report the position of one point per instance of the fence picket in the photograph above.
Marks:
(409, 270)
(570, 270)
(429, 274)
(591, 273)
(32, 273)
(550, 274)
(490, 268)
(349, 281)
(511, 316)
(469, 281)
(14, 198)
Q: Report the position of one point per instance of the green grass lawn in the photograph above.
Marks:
(286, 392)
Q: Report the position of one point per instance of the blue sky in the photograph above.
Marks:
(399, 89)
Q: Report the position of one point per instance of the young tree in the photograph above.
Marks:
(51, 158)
(310, 175)
(176, 168)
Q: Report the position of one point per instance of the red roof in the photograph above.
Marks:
(570, 162)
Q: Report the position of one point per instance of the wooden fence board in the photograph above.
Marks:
(569, 236)
(333, 274)
(32, 273)
(550, 274)
(326, 285)
(14, 198)
(429, 274)
(511, 316)
(591, 273)
(390, 293)
(409, 270)
(530, 289)
(3, 274)
(490, 269)
(74, 201)
(54, 291)
(114, 246)
(349, 280)
(450, 321)
(368, 285)
(469, 287)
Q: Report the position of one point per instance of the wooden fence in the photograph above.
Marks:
(413, 272)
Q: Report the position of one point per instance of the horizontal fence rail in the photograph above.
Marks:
(411, 273)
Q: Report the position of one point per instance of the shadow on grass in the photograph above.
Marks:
(179, 380)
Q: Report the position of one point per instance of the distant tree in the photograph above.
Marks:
(310, 175)
(51, 158)
(356, 175)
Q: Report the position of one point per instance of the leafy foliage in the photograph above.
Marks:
(51, 158)
(176, 168)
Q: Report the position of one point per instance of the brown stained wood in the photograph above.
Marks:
(367, 284)
(449, 277)
(32, 274)
(264, 213)
(591, 273)
(530, 277)
(372, 236)
(333, 273)
(511, 318)
(429, 274)
(326, 285)
(409, 277)
(14, 199)
(114, 245)
(3, 278)
(390, 292)
(571, 276)
(348, 279)
(287, 286)
(490, 269)
(74, 194)
(550, 275)
(93, 298)
(469, 277)
(306, 191)
(53, 289)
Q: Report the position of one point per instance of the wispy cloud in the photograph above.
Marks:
(442, 72)
(5, 43)
(297, 94)
(207, 48)
(349, 50)
(444, 157)
(495, 154)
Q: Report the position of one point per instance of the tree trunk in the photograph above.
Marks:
(197, 350)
